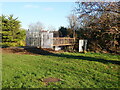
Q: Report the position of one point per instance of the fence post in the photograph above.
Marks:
(82, 45)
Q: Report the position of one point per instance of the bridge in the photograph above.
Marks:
(46, 40)
(63, 41)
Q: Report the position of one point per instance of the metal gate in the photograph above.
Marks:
(46, 40)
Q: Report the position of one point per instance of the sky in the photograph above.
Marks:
(50, 14)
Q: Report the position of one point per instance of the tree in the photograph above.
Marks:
(99, 23)
(65, 32)
(38, 26)
(70, 33)
(62, 31)
(73, 23)
(12, 33)
(51, 28)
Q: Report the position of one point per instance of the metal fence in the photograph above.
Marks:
(41, 39)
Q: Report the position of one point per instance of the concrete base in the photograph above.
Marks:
(57, 48)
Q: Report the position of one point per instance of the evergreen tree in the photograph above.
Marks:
(12, 33)
(62, 31)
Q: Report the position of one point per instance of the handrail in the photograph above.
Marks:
(62, 41)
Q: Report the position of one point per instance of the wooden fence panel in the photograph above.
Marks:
(63, 41)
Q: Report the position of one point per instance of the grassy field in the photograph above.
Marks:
(76, 70)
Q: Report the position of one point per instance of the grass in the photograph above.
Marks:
(77, 70)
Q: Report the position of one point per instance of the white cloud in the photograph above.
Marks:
(31, 6)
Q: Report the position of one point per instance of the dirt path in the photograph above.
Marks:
(28, 50)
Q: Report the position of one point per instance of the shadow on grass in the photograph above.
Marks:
(39, 51)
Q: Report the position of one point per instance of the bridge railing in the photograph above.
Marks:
(63, 41)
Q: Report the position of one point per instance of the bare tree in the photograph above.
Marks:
(99, 23)
(73, 23)
(38, 26)
(51, 28)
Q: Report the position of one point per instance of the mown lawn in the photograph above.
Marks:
(76, 70)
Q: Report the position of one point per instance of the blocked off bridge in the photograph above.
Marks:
(45, 39)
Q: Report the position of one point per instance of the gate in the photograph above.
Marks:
(46, 40)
